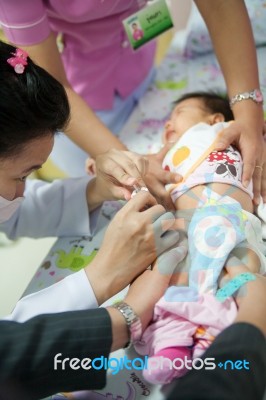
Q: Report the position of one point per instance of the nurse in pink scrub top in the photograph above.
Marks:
(97, 61)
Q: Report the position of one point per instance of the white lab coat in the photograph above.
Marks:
(54, 209)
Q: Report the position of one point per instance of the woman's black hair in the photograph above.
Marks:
(32, 104)
(214, 102)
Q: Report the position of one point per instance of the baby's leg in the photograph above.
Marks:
(215, 229)
(247, 256)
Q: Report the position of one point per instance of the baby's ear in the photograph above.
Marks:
(215, 118)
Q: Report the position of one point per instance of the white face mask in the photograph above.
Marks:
(8, 208)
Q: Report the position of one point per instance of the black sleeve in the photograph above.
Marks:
(27, 352)
(238, 342)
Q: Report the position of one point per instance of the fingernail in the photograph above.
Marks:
(178, 178)
(256, 201)
(220, 146)
(169, 260)
(130, 181)
(127, 196)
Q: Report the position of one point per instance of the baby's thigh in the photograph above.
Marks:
(248, 257)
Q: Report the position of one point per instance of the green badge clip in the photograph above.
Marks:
(148, 23)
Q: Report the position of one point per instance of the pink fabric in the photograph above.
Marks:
(176, 322)
(97, 57)
(164, 374)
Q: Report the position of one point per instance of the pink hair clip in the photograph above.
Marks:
(19, 61)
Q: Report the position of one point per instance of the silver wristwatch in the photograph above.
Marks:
(254, 95)
(132, 320)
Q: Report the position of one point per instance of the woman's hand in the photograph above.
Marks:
(247, 136)
(233, 41)
(117, 172)
(133, 240)
(156, 178)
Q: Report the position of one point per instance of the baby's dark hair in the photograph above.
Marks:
(32, 104)
(214, 102)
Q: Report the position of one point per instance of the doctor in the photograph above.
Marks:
(30, 116)
(33, 107)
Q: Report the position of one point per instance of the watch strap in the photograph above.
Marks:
(132, 320)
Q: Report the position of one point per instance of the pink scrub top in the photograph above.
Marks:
(97, 57)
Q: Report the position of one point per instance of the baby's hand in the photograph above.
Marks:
(90, 166)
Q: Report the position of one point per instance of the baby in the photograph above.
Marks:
(214, 211)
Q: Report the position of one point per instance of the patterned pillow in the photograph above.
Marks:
(198, 40)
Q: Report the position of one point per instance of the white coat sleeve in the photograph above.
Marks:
(70, 294)
(51, 209)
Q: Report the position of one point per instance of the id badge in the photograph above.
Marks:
(148, 23)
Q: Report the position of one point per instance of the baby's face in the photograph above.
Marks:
(186, 114)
